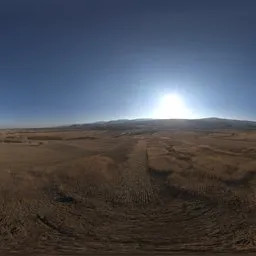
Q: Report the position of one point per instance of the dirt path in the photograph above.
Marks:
(134, 186)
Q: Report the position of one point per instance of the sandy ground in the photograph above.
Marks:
(93, 191)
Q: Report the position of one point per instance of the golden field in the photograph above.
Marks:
(103, 191)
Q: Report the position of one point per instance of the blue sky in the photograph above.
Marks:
(67, 62)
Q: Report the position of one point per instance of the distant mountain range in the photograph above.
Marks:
(166, 124)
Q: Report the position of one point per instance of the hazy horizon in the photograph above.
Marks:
(115, 120)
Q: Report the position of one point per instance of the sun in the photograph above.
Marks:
(172, 106)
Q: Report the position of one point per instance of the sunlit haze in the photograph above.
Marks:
(172, 106)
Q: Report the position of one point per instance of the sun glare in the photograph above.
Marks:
(172, 106)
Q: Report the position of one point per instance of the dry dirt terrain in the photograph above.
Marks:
(95, 191)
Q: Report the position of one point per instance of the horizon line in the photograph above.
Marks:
(122, 119)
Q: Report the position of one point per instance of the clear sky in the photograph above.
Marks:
(82, 61)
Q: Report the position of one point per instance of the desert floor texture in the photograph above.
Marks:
(107, 191)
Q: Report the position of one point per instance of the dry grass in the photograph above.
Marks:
(93, 191)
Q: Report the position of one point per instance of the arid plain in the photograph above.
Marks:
(112, 191)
